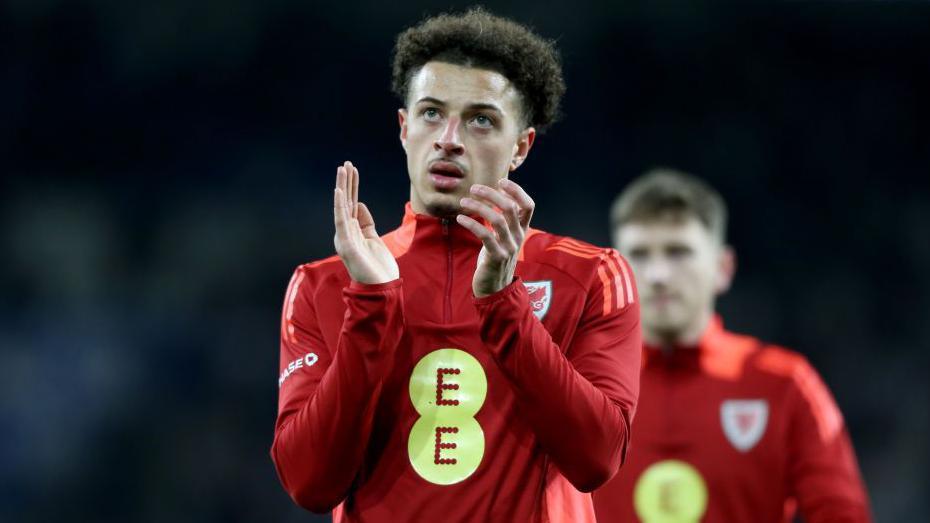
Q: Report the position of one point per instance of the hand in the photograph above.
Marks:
(363, 253)
(508, 209)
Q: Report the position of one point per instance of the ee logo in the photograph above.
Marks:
(670, 491)
(447, 389)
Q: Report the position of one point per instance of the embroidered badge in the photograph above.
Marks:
(540, 296)
(744, 422)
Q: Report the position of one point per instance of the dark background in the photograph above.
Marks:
(166, 165)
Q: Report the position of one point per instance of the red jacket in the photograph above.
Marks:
(414, 401)
(733, 431)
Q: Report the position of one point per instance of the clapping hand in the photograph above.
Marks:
(509, 210)
(362, 251)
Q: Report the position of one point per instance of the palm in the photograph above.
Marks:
(357, 242)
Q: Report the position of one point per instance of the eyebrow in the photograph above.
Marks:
(471, 107)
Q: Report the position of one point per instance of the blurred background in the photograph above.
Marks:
(166, 165)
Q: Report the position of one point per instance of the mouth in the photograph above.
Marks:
(662, 300)
(446, 175)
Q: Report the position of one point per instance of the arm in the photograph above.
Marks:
(326, 404)
(580, 404)
(823, 471)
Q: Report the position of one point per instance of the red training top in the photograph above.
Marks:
(734, 430)
(414, 401)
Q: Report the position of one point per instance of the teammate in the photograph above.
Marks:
(729, 428)
(463, 367)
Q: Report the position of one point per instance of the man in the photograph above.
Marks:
(464, 367)
(729, 428)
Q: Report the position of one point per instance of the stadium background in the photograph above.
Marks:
(165, 166)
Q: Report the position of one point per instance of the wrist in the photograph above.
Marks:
(493, 295)
(485, 291)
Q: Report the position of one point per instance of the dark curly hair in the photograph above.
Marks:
(477, 38)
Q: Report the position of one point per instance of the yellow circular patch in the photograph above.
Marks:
(670, 491)
(447, 388)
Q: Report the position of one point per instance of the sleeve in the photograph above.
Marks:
(823, 471)
(327, 396)
(579, 403)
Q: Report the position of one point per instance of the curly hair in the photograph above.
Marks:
(477, 38)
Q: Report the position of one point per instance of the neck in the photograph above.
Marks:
(686, 337)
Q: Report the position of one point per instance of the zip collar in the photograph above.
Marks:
(422, 231)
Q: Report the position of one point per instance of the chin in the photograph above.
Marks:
(442, 211)
(666, 324)
(445, 206)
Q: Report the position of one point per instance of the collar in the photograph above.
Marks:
(424, 230)
(719, 354)
(713, 335)
(712, 341)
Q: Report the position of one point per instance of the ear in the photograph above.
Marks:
(726, 269)
(521, 149)
(402, 121)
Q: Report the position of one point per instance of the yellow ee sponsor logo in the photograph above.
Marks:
(447, 389)
(670, 491)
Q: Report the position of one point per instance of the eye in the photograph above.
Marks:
(678, 252)
(483, 121)
(431, 114)
(636, 254)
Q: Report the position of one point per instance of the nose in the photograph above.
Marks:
(656, 272)
(450, 141)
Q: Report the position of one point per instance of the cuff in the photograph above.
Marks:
(511, 291)
(355, 286)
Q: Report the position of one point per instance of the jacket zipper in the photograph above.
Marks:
(447, 306)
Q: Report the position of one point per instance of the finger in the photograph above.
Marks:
(339, 214)
(493, 217)
(347, 188)
(506, 223)
(487, 238)
(353, 190)
(495, 196)
(509, 208)
(340, 205)
(341, 176)
(366, 222)
(527, 205)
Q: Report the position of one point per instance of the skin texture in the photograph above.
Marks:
(463, 133)
(466, 116)
(680, 269)
(357, 242)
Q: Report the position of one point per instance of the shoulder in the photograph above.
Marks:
(314, 274)
(772, 363)
(578, 258)
(600, 273)
(782, 362)
(802, 379)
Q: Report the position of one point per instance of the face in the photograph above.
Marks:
(461, 126)
(680, 268)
